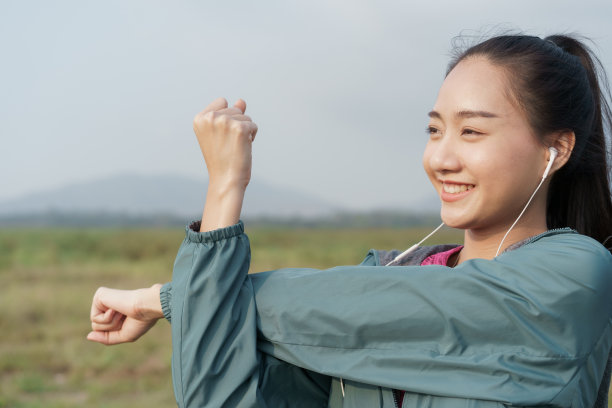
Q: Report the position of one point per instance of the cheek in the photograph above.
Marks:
(426, 161)
(505, 174)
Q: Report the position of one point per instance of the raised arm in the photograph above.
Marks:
(215, 359)
(225, 136)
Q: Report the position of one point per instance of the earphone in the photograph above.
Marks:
(553, 155)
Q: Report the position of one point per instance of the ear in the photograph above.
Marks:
(564, 142)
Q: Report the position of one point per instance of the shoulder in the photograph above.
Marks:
(565, 261)
(565, 246)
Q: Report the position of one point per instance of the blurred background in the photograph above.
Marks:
(100, 170)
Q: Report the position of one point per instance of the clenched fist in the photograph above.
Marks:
(225, 136)
(120, 316)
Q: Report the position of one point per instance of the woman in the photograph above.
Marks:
(524, 318)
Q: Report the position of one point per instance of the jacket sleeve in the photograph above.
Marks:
(211, 305)
(530, 327)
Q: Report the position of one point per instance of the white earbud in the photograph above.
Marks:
(553, 155)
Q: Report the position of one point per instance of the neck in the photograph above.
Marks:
(483, 243)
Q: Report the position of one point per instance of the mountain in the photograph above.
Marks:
(144, 195)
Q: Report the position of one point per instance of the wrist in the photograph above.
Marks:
(149, 303)
(223, 205)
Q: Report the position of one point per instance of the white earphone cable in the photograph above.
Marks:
(520, 215)
(415, 246)
(553, 155)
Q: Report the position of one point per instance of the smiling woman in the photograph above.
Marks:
(484, 158)
(445, 326)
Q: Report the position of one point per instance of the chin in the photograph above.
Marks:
(457, 221)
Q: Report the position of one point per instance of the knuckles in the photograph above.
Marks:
(212, 121)
(215, 122)
(223, 121)
(201, 120)
(212, 125)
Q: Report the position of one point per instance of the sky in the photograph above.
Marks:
(340, 89)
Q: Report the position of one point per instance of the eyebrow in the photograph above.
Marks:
(466, 114)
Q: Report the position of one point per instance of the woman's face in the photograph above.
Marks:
(482, 156)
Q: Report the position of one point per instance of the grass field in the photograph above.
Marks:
(47, 279)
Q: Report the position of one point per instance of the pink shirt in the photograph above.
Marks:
(441, 258)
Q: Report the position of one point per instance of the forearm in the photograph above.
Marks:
(223, 205)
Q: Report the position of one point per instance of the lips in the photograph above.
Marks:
(453, 191)
(456, 188)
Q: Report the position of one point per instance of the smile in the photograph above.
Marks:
(456, 188)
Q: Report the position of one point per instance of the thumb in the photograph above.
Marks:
(240, 104)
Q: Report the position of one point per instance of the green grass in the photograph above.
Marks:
(47, 279)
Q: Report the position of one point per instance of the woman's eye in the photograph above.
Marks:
(430, 130)
(471, 132)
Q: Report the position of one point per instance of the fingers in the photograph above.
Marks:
(240, 104)
(220, 105)
(108, 338)
(234, 114)
(113, 324)
(122, 330)
(108, 305)
(99, 311)
(217, 104)
(100, 314)
(252, 130)
(243, 124)
(246, 128)
(229, 111)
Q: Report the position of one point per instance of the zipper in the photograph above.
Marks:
(395, 400)
(529, 240)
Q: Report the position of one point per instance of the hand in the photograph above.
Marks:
(120, 316)
(225, 136)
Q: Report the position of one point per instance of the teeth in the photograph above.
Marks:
(456, 188)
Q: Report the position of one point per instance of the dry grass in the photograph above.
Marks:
(48, 277)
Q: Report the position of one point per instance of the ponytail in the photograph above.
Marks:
(579, 193)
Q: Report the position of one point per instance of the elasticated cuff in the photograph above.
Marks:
(193, 234)
(165, 297)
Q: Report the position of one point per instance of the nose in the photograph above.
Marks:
(442, 156)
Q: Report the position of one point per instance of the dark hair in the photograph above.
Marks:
(561, 85)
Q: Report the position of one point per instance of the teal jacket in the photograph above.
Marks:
(532, 327)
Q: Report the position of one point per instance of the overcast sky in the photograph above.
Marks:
(340, 89)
